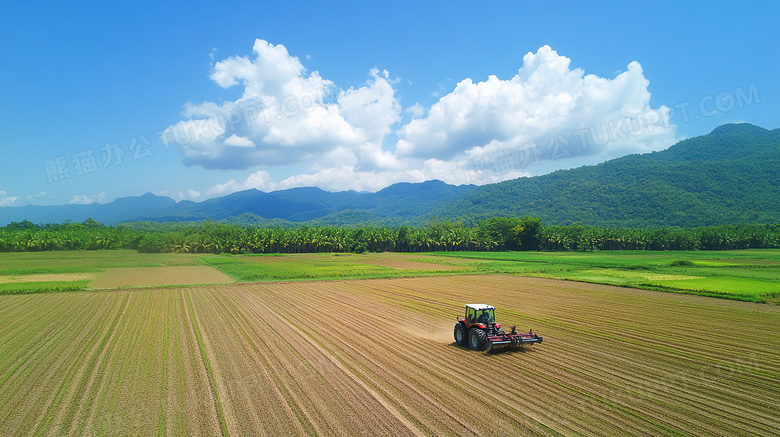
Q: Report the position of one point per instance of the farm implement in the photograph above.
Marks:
(479, 331)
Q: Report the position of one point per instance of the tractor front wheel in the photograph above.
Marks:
(460, 334)
(477, 339)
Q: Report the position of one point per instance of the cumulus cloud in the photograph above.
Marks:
(284, 116)
(560, 111)
(547, 116)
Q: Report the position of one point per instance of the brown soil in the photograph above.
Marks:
(403, 264)
(377, 357)
(156, 276)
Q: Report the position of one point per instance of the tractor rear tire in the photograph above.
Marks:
(460, 334)
(477, 339)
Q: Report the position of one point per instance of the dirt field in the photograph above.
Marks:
(405, 265)
(156, 276)
(376, 357)
(395, 261)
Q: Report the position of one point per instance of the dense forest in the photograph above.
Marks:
(493, 234)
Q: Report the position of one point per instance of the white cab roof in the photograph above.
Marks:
(479, 306)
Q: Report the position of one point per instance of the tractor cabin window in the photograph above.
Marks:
(486, 316)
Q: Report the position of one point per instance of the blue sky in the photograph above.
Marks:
(194, 101)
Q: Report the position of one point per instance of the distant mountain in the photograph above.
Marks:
(729, 176)
(401, 202)
(109, 213)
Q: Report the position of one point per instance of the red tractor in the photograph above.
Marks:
(479, 331)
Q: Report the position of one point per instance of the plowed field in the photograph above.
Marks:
(376, 357)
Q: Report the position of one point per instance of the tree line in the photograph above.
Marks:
(493, 234)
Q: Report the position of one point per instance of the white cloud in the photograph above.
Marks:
(372, 108)
(260, 180)
(415, 110)
(83, 199)
(284, 116)
(237, 141)
(6, 200)
(547, 116)
(545, 100)
(188, 195)
(348, 177)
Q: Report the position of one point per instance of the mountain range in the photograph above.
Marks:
(729, 176)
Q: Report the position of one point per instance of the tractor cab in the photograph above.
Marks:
(480, 313)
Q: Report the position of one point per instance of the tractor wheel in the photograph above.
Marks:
(477, 339)
(460, 334)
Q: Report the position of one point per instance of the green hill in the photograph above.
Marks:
(729, 176)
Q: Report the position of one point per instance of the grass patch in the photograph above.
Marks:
(751, 275)
(286, 268)
(681, 263)
(37, 263)
(42, 287)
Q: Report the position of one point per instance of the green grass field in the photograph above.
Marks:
(29, 263)
(750, 275)
(294, 267)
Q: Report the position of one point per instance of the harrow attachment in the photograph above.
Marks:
(515, 340)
